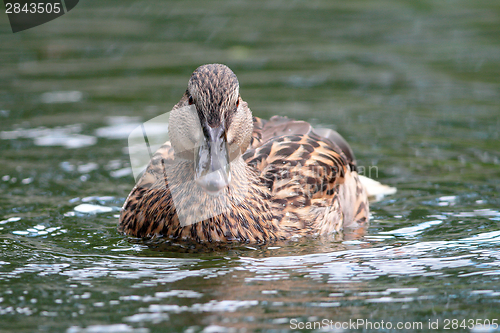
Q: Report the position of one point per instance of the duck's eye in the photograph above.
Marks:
(190, 100)
(237, 103)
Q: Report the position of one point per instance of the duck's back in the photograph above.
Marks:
(312, 178)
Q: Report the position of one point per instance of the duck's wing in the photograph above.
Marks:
(312, 186)
(143, 211)
(278, 126)
(256, 140)
(338, 140)
(318, 164)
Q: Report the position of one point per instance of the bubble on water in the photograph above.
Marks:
(154, 318)
(92, 209)
(377, 238)
(390, 300)
(68, 141)
(216, 329)
(49, 314)
(27, 181)
(88, 167)
(211, 306)
(178, 293)
(478, 212)
(121, 173)
(66, 166)
(413, 230)
(10, 219)
(402, 290)
(353, 242)
(323, 304)
(21, 233)
(113, 328)
(66, 136)
(488, 292)
(61, 97)
(118, 127)
(113, 165)
(104, 198)
(485, 237)
(39, 230)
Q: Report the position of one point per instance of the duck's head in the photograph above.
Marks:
(211, 125)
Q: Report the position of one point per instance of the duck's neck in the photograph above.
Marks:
(241, 181)
(193, 204)
(241, 211)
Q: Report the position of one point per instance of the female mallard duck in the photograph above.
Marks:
(226, 176)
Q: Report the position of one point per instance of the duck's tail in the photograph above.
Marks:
(376, 190)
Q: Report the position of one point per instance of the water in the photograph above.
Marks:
(413, 86)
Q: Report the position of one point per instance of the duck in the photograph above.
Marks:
(227, 176)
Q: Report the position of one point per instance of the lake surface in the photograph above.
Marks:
(414, 86)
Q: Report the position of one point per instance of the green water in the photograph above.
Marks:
(413, 86)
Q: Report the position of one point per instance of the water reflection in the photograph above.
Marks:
(116, 328)
(66, 136)
(118, 127)
(61, 97)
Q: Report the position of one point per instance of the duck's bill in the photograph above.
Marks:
(212, 171)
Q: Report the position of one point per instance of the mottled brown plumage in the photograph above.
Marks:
(286, 179)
